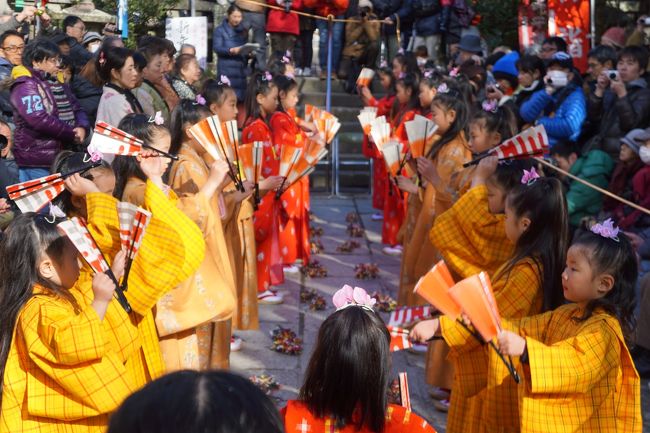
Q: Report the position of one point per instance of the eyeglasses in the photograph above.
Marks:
(14, 48)
(82, 28)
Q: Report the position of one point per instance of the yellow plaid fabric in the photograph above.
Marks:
(61, 374)
(469, 237)
(491, 392)
(580, 376)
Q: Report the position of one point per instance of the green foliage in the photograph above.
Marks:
(145, 16)
(499, 24)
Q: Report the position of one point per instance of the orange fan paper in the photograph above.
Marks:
(434, 288)
(530, 142)
(250, 160)
(108, 139)
(380, 132)
(365, 77)
(420, 132)
(366, 117)
(326, 123)
(393, 153)
(475, 297)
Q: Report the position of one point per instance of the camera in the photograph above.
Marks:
(612, 74)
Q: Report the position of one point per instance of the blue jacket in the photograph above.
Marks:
(224, 38)
(561, 123)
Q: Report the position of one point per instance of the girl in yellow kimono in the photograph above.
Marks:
(221, 99)
(577, 372)
(528, 283)
(58, 372)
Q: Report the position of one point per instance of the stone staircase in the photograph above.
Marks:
(354, 171)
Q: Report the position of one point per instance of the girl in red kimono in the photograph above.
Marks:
(404, 109)
(261, 102)
(384, 105)
(294, 224)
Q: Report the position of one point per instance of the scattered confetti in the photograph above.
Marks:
(315, 301)
(265, 382)
(348, 246)
(314, 269)
(352, 217)
(316, 246)
(315, 231)
(355, 230)
(385, 303)
(366, 271)
(285, 341)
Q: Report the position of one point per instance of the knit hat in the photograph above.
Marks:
(507, 65)
(561, 59)
(636, 138)
(90, 37)
(471, 44)
(365, 4)
(614, 36)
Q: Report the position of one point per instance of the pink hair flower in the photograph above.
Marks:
(157, 119)
(606, 229)
(443, 88)
(490, 105)
(224, 80)
(267, 76)
(200, 99)
(56, 212)
(530, 176)
(347, 296)
(454, 72)
(428, 74)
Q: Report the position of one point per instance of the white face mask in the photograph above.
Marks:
(94, 47)
(556, 79)
(644, 154)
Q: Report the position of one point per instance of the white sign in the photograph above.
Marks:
(189, 30)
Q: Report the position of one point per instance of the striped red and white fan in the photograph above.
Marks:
(529, 143)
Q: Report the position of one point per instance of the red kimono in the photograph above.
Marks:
(267, 216)
(379, 174)
(298, 419)
(294, 226)
(396, 199)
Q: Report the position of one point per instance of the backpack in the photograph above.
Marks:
(425, 8)
(385, 8)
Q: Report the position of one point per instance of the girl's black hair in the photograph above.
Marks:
(187, 111)
(617, 258)
(139, 61)
(213, 402)
(409, 62)
(276, 66)
(109, 59)
(388, 72)
(233, 8)
(257, 85)
(503, 121)
(409, 81)
(25, 241)
(38, 50)
(67, 161)
(508, 173)
(349, 369)
(451, 100)
(529, 63)
(432, 78)
(546, 239)
(284, 84)
(125, 167)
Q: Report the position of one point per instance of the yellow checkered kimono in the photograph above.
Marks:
(482, 399)
(470, 238)
(580, 376)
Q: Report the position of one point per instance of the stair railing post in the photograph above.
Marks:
(328, 106)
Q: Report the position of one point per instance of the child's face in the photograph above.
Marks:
(161, 140)
(402, 94)
(426, 95)
(289, 100)
(442, 117)
(565, 162)
(385, 80)
(397, 68)
(269, 102)
(626, 154)
(480, 139)
(104, 179)
(63, 270)
(496, 196)
(527, 78)
(578, 280)
(515, 225)
(228, 109)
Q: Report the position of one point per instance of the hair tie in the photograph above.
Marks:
(54, 213)
(224, 81)
(157, 119)
(200, 100)
(443, 88)
(347, 296)
(266, 76)
(92, 155)
(606, 229)
(428, 74)
(490, 105)
(529, 177)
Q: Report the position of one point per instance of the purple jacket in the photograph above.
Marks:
(40, 134)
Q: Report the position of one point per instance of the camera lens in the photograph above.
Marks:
(612, 75)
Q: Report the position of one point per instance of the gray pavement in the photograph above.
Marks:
(256, 358)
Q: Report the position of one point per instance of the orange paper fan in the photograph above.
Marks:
(365, 77)
(434, 287)
(420, 132)
(470, 294)
(289, 155)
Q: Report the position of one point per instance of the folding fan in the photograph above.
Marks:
(289, 155)
(365, 77)
(529, 143)
(75, 229)
(133, 223)
(434, 287)
(313, 151)
(470, 294)
(108, 139)
(365, 119)
(404, 394)
(399, 338)
(420, 132)
(393, 153)
(33, 195)
(407, 315)
(380, 132)
(250, 158)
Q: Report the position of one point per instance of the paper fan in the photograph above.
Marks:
(300, 167)
(392, 152)
(365, 77)
(530, 142)
(133, 223)
(111, 140)
(420, 132)
(332, 127)
(471, 295)
(246, 162)
(312, 150)
(380, 132)
(370, 110)
(434, 288)
(33, 195)
(289, 155)
(202, 133)
(404, 393)
(365, 119)
(399, 338)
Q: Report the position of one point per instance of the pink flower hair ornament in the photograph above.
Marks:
(443, 88)
(224, 80)
(428, 74)
(454, 72)
(200, 99)
(266, 76)
(157, 119)
(490, 105)
(347, 296)
(530, 177)
(606, 229)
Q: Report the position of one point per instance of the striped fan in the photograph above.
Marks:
(250, 159)
(393, 154)
(399, 338)
(404, 394)
(313, 150)
(420, 132)
(111, 140)
(365, 77)
(530, 142)
(365, 119)
(289, 155)
(133, 223)
(380, 132)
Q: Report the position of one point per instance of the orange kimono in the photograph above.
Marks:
(266, 220)
(294, 228)
(298, 419)
(379, 174)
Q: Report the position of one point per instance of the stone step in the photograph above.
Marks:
(314, 84)
(338, 99)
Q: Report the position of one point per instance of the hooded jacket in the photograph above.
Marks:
(40, 134)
